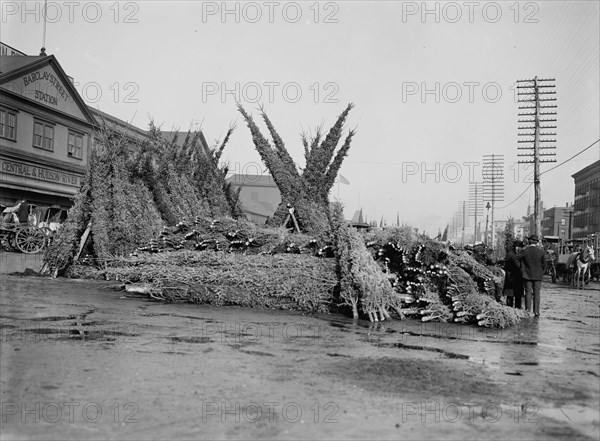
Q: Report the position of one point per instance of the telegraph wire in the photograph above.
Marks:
(572, 157)
(556, 166)
(517, 198)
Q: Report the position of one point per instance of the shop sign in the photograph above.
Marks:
(39, 173)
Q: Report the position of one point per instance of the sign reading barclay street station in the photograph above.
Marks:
(51, 80)
(38, 173)
(45, 86)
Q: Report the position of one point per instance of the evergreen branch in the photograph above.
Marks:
(314, 145)
(314, 142)
(335, 166)
(281, 151)
(305, 144)
(219, 151)
(321, 157)
(269, 157)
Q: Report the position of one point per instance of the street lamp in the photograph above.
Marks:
(487, 217)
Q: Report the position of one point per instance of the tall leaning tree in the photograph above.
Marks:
(307, 190)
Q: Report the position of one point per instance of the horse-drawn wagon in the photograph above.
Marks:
(574, 260)
(556, 260)
(27, 228)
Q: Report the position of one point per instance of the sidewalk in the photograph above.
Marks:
(17, 262)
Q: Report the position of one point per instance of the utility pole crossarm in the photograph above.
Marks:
(540, 139)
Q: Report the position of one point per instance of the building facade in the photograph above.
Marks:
(46, 131)
(586, 215)
(259, 195)
(557, 222)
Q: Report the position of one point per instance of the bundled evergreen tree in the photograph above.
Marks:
(307, 192)
(186, 181)
(509, 237)
(122, 213)
(128, 197)
(445, 234)
(210, 178)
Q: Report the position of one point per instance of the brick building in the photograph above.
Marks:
(586, 215)
(557, 222)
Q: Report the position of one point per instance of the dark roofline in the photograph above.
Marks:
(170, 135)
(252, 180)
(117, 121)
(16, 50)
(586, 169)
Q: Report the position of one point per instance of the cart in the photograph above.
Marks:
(553, 247)
(565, 249)
(19, 230)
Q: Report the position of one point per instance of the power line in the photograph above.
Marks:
(517, 198)
(572, 157)
(556, 166)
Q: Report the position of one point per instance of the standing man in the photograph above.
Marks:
(513, 283)
(533, 263)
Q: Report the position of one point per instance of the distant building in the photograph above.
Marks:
(259, 196)
(132, 136)
(499, 228)
(359, 221)
(179, 137)
(557, 221)
(528, 221)
(521, 229)
(586, 215)
(5, 49)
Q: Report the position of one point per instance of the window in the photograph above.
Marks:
(8, 124)
(43, 135)
(75, 145)
(563, 221)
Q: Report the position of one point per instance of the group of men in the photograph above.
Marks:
(524, 266)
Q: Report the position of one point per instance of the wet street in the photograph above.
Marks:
(80, 360)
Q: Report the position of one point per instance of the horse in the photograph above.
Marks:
(579, 263)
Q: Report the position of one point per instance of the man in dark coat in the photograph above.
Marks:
(533, 263)
(513, 285)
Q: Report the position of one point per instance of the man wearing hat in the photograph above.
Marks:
(513, 282)
(533, 262)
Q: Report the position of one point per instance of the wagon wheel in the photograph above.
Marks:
(30, 239)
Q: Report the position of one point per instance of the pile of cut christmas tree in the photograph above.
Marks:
(439, 282)
(164, 221)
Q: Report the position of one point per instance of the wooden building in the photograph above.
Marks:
(46, 131)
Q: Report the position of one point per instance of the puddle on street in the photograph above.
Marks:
(555, 357)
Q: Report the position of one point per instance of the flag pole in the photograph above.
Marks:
(45, 12)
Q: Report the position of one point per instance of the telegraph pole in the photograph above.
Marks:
(493, 185)
(475, 204)
(464, 218)
(487, 218)
(529, 92)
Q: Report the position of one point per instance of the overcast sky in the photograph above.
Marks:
(433, 89)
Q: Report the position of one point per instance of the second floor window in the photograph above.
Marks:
(8, 124)
(75, 145)
(43, 136)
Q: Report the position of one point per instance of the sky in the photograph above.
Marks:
(433, 84)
